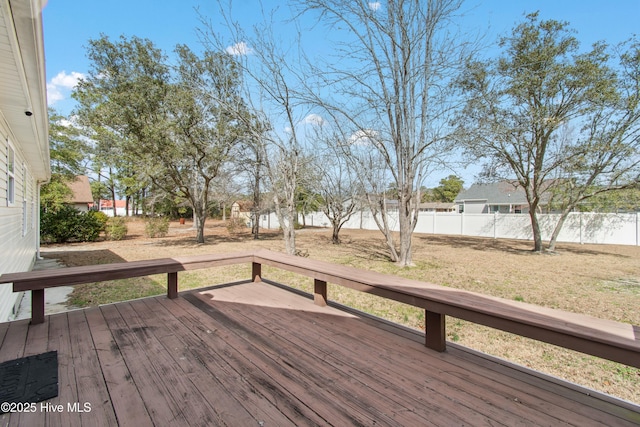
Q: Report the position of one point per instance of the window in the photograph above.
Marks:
(11, 179)
(24, 201)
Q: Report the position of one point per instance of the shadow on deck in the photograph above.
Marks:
(255, 354)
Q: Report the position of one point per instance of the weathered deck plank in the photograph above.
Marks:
(254, 354)
(478, 400)
(125, 396)
(234, 398)
(154, 390)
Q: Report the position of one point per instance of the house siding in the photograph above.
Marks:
(17, 224)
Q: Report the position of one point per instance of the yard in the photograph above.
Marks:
(598, 280)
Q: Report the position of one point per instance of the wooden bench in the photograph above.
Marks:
(38, 281)
(607, 339)
(619, 342)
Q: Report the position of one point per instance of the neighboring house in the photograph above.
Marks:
(106, 206)
(242, 209)
(24, 143)
(437, 207)
(82, 198)
(497, 197)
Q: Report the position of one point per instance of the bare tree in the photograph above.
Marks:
(390, 80)
(336, 182)
(272, 84)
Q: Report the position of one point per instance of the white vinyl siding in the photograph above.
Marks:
(17, 219)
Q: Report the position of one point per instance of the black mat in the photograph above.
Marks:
(29, 379)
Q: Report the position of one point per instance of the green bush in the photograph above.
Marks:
(156, 227)
(116, 229)
(68, 224)
(100, 216)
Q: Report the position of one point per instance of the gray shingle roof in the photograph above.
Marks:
(503, 192)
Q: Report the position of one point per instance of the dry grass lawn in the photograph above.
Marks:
(598, 280)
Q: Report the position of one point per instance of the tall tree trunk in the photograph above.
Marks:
(255, 227)
(406, 231)
(201, 217)
(556, 231)
(535, 228)
(383, 225)
(286, 218)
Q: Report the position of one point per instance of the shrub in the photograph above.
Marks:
(68, 224)
(235, 225)
(156, 227)
(116, 229)
(100, 216)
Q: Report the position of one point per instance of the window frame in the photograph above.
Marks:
(11, 174)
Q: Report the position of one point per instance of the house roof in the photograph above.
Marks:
(244, 205)
(108, 204)
(23, 94)
(496, 193)
(436, 205)
(81, 190)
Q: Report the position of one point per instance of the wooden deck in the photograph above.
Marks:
(253, 354)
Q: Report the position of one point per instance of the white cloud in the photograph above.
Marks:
(314, 119)
(239, 48)
(67, 81)
(374, 5)
(61, 84)
(53, 94)
(364, 137)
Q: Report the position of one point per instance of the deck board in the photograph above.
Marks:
(255, 354)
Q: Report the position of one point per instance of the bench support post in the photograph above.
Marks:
(256, 272)
(37, 306)
(435, 331)
(172, 285)
(320, 292)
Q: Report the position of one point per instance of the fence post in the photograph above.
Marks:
(37, 306)
(320, 292)
(435, 331)
(172, 285)
(256, 272)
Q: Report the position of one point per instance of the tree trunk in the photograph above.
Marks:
(535, 228)
(201, 218)
(113, 200)
(557, 229)
(288, 230)
(406, 231)
(335, 238)
(255, 227)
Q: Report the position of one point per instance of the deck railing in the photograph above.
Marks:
(619, 342)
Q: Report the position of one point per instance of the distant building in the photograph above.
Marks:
(497, 197)
(82, 198)
(437, 207)
(106, 206)
(242, 209)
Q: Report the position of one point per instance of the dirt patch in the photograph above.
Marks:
(598, 280)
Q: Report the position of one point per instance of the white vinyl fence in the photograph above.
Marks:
(602, 228)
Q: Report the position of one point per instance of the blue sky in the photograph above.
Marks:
(69, 24)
